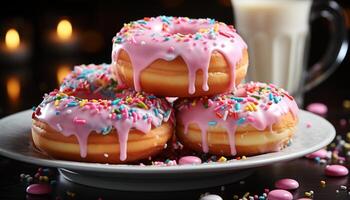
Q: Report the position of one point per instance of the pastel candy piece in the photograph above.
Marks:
(279, 195)
(304, 199)
(189, 160)
(39, 189)
(287, 184)
(336, 170)
(322, 153)
(318, 108)
(308, 125)
(211, 197)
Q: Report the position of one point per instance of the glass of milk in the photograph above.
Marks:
(277, 34)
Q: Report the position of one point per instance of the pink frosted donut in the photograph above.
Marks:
(179, 56)
(256, 118)
(123, 126)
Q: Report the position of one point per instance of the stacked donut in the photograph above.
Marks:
(118, 113)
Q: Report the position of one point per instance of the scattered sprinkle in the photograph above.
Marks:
(222, 159)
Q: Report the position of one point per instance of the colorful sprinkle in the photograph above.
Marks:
(222, 159)
(76, 120)
(212, 123)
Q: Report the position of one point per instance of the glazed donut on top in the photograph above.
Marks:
(179, 56)
(256, 118)
(126, 128)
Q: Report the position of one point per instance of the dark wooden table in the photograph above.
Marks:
(307, 172)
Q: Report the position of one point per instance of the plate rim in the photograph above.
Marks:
(136, 169)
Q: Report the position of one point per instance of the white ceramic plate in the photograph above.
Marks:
(15, 143)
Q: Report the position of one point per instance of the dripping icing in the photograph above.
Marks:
(147, 40)
(197, 112)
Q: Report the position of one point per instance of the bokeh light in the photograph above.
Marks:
(12, 39)
(64, 29)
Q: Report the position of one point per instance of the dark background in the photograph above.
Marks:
(94, 24)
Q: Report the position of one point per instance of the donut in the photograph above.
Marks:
(91, 82)
(125, 128)
(179, 56)
(256, 118)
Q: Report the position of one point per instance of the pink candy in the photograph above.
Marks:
(317, 108)
(336, 170)
(287, 184)
(322, 153)
(308, 125)
(279, 195)
(39, 189)
(189, 160)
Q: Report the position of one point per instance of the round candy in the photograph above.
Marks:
(189, 160)
(211, 197)
(287, 184)
(279, 195)
(336, 170)
(304, 199)
(317, 108)
(39, 189)
(322, 153)
(308, 125)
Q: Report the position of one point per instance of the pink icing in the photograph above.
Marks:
(287, 184)
(279, 195)
(322, 153)
(123, 110)
(194, 40)
(39, 189)
(221, 110)
(189, 160)
(336, 170)
(80, 121)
